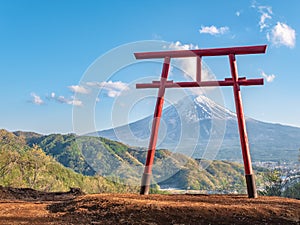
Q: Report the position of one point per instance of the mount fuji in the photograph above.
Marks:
(199, 127)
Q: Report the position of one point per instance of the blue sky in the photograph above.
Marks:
(48, 46)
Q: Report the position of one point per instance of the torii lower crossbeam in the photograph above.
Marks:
(234, 81)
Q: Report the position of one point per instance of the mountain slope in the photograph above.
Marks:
(123, 164)
(200, 121)
(29, 167)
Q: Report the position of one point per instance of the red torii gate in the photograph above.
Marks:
(234, 81)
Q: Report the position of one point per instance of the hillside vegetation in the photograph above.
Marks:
(56, 162)
(121, 163)
(27, 166)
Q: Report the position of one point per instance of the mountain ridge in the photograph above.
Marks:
(123, 164)
(205, 121)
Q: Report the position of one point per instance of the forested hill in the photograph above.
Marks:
(99, 156)
(27, 166)
(56, 162)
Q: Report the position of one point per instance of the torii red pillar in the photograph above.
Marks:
(234, 81)
(146, 179)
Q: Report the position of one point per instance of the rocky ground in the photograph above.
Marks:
(27, 206)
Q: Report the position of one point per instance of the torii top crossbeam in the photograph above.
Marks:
(244, 50)
(234, 81)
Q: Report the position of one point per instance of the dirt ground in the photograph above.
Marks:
(27, 206)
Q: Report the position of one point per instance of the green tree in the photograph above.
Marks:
(33, 165)
(7, 161)
(273, 183)
(293, 191)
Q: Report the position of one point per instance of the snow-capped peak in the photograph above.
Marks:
(210, 109)
(194, 109)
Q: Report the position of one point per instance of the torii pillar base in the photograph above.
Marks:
(251, 186)
(145, 186)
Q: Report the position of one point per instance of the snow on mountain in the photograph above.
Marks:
(210, 109)
(202, 122)
(198, 109)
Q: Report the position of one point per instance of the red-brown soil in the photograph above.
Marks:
(27, 206)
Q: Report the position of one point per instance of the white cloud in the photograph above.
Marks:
(78, 89)
(262, 22)
(213, 30)
(36, 99)
(75, 102)
(267, 9)
(64, 100)
(282, 34)
(188, 65)
(269, 78)
(178, 46)
(237, 13)
(265, 15)
(113, 89)
(266, 12)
